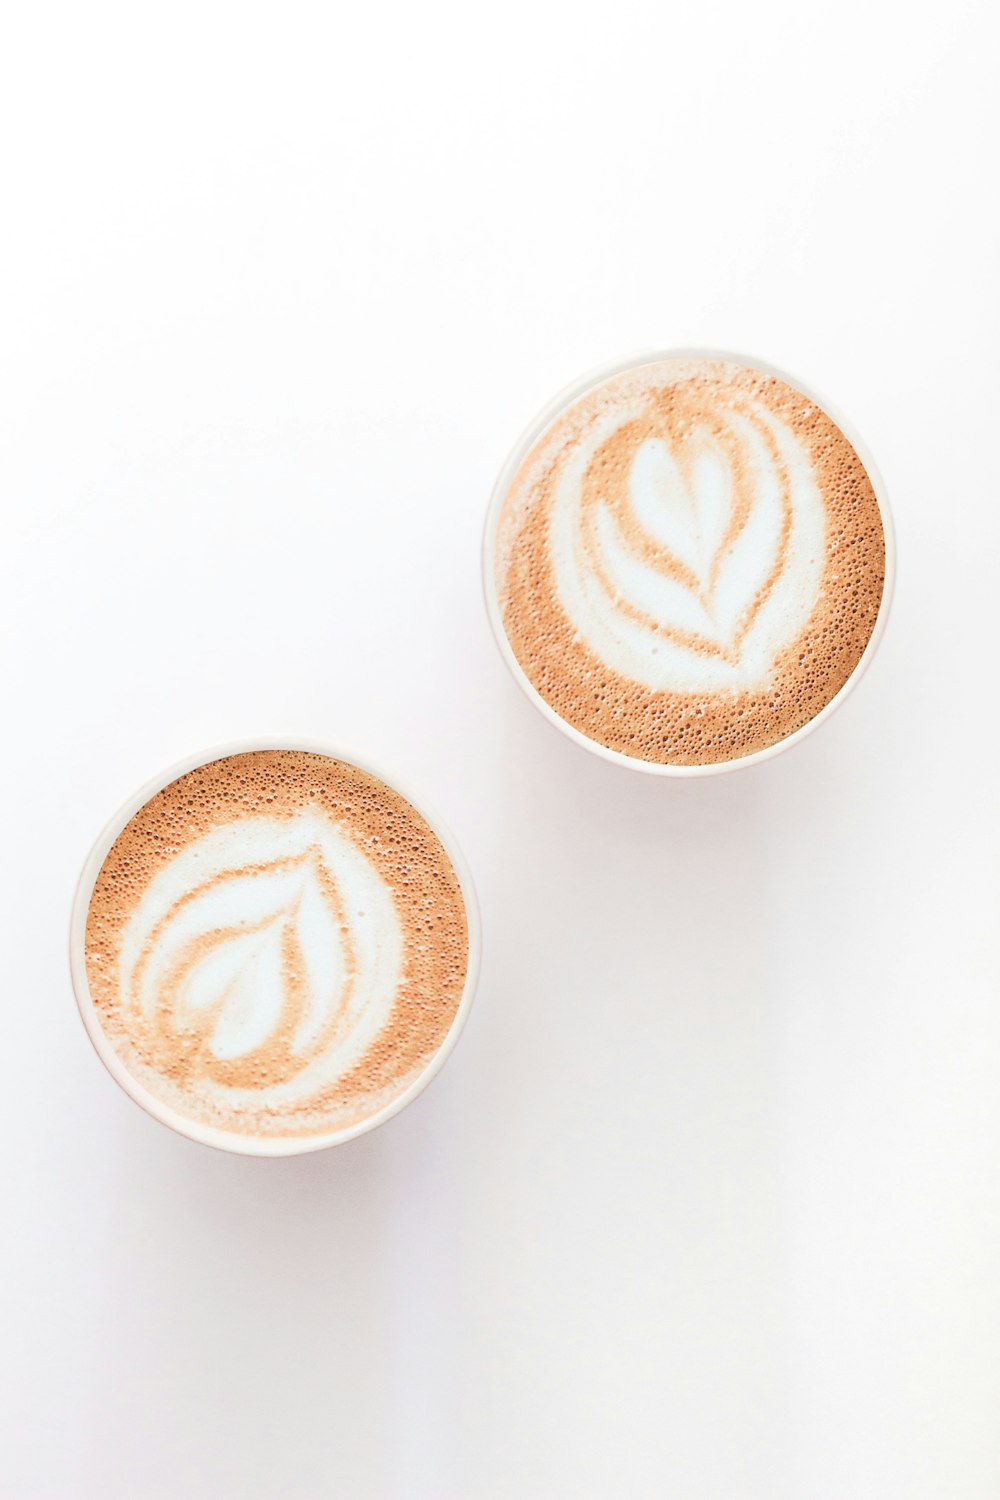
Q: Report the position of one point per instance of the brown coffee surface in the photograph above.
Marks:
(696, 512)
(277, 944)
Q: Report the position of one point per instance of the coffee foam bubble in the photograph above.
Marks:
(276, 944)
(689, 561)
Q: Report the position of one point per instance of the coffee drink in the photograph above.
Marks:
(687, 562)
(276, 945)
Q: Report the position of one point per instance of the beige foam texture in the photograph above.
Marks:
(687, 728)
(407, 855)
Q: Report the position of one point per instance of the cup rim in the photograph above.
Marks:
(208, 1135)
(519, 452)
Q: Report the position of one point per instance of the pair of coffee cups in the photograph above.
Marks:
(282, 1144)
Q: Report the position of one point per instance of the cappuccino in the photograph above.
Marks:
(687, 561)
(276, 945)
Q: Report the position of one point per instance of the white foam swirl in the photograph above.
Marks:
(263, 960)
(708, 561)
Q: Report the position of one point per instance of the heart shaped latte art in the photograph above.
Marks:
(263, 960)
(687, 542)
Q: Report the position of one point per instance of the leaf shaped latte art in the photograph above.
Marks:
(263, 960)
(687, 541)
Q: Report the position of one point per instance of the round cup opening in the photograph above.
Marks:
(526, 442)
(230, 1140)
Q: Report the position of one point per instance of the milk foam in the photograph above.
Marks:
(689, 560)
(714, 567)
(276, 944)
(267, 956)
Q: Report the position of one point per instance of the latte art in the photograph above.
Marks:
(276, 944)
(688, 561)
(263, 961)
(693, 573)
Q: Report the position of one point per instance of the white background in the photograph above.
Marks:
(707, 1203)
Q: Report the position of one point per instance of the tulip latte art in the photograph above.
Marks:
(276, 944)
(689, 561)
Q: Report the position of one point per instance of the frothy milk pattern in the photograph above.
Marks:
(264, 957)
(689, 561)
(688, 558)
(276, 944)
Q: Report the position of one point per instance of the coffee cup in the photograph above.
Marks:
(688, 561)
(273, 947)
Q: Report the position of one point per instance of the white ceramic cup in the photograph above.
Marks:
(249, 1145)
(544, 419)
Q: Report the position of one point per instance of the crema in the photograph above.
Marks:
(688, 561)
(276, 944)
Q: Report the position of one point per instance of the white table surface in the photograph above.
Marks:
(706, 1204)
